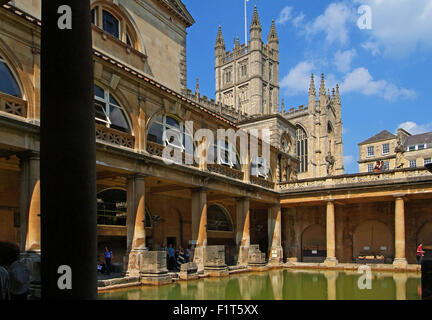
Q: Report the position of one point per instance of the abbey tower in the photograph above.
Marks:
(247, 78)
(247, 83)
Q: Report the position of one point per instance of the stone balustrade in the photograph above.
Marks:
(116, 137)
(226, 171)
(13, 105)
(350, 179)
(262, 182)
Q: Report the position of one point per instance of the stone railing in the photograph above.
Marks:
(13, 105)
(359, 178)
(226, 171)
(262, 182)
(156, 149)
(114, 136)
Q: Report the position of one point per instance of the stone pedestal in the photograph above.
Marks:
(276, 255)
(153, 268)
(198, 258)
(188, 271)
(133, 262)
(243, 256)
(256, 258)
(214, 261)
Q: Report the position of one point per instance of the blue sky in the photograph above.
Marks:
(384, 72)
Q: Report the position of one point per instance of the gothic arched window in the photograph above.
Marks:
(302, 149)
(8, 84)
(218, 218)
(109, 112)
(158, 133)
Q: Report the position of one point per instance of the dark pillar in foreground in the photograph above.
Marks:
(426, 270)
(68, 156)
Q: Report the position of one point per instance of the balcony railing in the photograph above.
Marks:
(13, 105)
(226, 171)
(109, 135)
(262, 182)
(157, 150)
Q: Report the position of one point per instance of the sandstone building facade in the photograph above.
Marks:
(303, 208)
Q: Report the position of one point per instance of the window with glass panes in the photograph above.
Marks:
(109, 112)
(413, 163)
(370, 167)
(370, 151)
(386, 148)
(386, 165)
(427, 161)
(222, 150)
(8, 84)
(260, 168)
(166, 130)
(302, 149)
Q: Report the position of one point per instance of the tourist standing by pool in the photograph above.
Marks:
(171, 258)
(108, 256)
(420, 253)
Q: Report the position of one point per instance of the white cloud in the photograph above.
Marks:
(298, 78)
(343, 60)
(399, 26)
(415, 128)
(297, 21)
(334, 22)
(285, 15)
(360, 80)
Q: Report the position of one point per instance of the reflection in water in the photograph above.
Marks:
(281, 285)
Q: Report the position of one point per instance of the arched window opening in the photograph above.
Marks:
(115, 24)
(109, 112)
(112, 208)
(218, 219)
(8, 84)
(178, 136)
(302, 149)
(222, 150)
(261, 168)
(330, 138)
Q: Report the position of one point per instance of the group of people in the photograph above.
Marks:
(176, 257)
(379, 166)
(14, 275)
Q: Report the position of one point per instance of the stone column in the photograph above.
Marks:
(275, 234)
(199, 225)
(331, 277)
(243, 230)
(400, 259)
(400, 280)
(331, 241)
(30, 214)
(136, 234)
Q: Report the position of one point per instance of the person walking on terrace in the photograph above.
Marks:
(108, 256)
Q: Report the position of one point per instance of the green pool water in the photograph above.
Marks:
(281, 285)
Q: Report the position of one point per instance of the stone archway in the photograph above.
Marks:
(313, 244)
(373, 238)
(424, 234)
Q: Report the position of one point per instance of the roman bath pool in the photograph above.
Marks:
(282, 285)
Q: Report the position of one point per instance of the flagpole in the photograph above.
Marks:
(246, 39)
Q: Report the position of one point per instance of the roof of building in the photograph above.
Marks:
(383, 135)
(425, 138)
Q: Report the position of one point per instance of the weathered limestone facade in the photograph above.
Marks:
(402, 150)
(145, 203)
